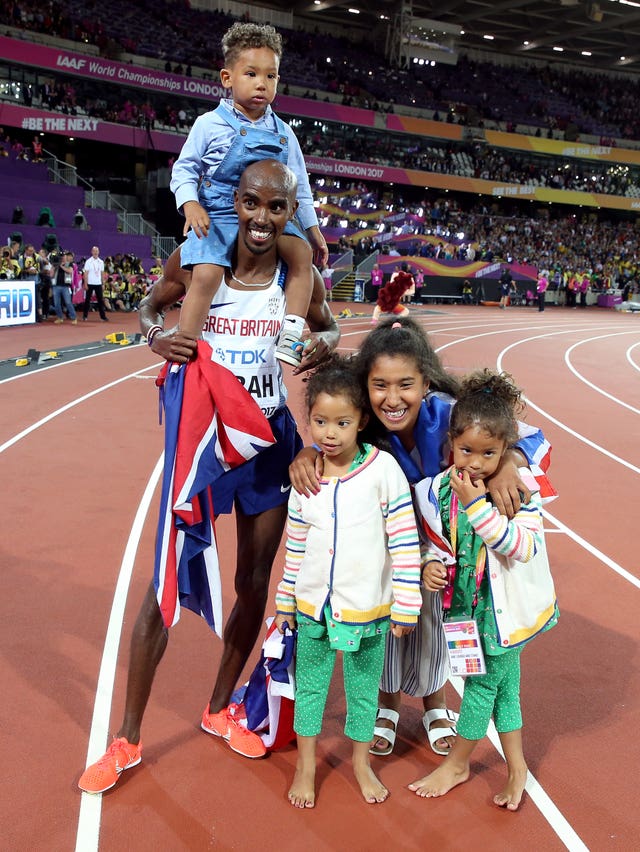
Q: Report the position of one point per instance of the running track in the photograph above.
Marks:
(79, 447)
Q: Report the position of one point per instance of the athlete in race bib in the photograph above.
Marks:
(242, 327)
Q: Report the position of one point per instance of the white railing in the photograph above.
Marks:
(101, 199)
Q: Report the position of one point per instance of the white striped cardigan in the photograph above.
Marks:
(354, 545)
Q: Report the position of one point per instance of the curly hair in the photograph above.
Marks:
(336, 377)
(247, 37)
(490, 401)
(390, 295)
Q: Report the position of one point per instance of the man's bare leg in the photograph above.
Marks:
(258, 541)
(148, 644)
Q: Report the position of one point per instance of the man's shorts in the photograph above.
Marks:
(261, 483)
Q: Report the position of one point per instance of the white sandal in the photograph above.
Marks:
(388, 734)
(435, 734)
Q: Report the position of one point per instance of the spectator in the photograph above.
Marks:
(62, 277)
(94, 277)
(43, 286)
(9, 267)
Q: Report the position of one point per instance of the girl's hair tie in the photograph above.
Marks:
(396, 325)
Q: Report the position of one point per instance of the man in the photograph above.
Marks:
(505, 285)
(43, 286)
(62, 286)
(257, 489)
(9, 267)
(94, 277)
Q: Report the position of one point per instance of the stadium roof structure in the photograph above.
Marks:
(599, 35)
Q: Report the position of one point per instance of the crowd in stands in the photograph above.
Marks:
(471, 92)
(551, 97)
(475, 160)
(445, 230)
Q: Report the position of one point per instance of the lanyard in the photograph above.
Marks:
(481, 560)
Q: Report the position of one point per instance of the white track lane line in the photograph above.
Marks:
(91, 806)
(72, 404)
(633, 363)
(578, 374)
(626, 575)
(542, 801)
(574, 433)
(66, 363)
(88, 832)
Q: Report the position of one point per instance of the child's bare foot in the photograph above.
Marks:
(302, 793)
(372, 789)
(441, 780)
(511, 796)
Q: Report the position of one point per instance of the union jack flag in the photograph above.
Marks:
(265, 704)
(538, 452)
(211, 425)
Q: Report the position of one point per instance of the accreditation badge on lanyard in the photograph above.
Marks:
(461, 634)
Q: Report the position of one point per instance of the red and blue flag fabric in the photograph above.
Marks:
(537, 451)
(266, 702)
(212, 424)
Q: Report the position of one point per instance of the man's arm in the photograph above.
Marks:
(325, 333)
(173, 344)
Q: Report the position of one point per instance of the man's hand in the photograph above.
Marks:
(196, 217)
(175, 345)
(305, 471)
(317, 349)
(465, 488)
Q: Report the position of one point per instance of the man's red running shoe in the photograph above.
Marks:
(104, 773)
(225, 725)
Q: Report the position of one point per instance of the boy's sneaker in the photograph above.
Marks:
(289, 349)
(225, 725)
(103, 774)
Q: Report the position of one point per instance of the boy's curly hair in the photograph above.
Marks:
(490, 401)
(247, 37)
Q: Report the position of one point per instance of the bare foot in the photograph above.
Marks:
(441, 780)
(302, 793)
(511, 796)
(371, 787)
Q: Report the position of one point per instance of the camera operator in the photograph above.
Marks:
(62, 277)
(9, 268)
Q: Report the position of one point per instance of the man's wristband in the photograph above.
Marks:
(152, 333)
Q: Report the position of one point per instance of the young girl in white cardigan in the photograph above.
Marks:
(352, 572)
(491, 571)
